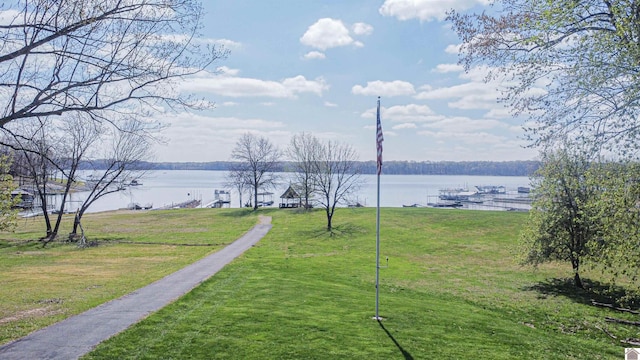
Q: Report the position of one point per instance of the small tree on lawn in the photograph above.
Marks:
(125, 147)
(238, 179)
(8, 215)
(561, 225)
(304, 151)
(257, 159)
(337, 175)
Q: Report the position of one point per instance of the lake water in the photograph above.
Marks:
(163, 188)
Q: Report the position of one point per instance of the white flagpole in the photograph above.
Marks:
(379, 170)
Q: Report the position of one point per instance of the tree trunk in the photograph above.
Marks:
(577, 281)
(575, 265)
(329, 217)
(255, 197)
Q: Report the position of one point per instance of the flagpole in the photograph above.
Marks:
(379, 139)
(378, 250)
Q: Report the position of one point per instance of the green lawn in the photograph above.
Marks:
(39, 286)
(452, 290)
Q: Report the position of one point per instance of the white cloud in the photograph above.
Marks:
(330, 104)
(453, 49)
(447, 68)
(425, 10)
(402, 113)
(466, 138)
(362, 29)
(224, 70)
(8, 15)
(384, 88)
(327, 33)
(405, 126)
(462, 124)
(231, 86)
(454, 92)
(300, 84)
(313, 55)
(470, 95)
(229, 103)
(190, 121)
(499, 113)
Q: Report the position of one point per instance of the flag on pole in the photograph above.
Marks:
(379, 139)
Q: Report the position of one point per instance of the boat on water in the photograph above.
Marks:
(456, 194)
(446, 204)
(137, 206)
(491, 189)
(412, 205)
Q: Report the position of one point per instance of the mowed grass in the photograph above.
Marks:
(39, 286)
(452, 290)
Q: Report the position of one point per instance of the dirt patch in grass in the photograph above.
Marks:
(31, 313)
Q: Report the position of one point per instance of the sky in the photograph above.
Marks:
(319, 66)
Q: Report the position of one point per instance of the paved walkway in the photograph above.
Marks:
(77, 335)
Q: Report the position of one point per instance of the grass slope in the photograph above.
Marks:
(452, 290)
(40, 286)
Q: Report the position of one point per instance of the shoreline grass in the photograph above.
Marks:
(452, 290)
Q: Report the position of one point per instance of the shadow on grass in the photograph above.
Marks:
(404, 352)
(593, 291)
(342, 230)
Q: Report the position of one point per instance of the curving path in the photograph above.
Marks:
(77, 335)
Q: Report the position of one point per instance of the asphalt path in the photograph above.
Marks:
(77, 335)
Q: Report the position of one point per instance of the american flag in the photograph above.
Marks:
(379, 139)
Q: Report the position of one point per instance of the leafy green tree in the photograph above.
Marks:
(571, 65)
(561, 225)
(618, 209)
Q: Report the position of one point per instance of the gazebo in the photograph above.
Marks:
(290, 199)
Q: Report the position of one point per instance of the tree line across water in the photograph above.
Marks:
(480, 168)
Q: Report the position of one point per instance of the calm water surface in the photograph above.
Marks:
(163, 188)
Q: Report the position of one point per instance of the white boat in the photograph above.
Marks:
(457, 194)
(491, 189)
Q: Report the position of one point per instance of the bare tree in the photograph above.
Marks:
(238, 179)
(304, 150)
(78, 137)
(53, 148)
(36, 150)
(109, 58)
(336, 176)
(258, 159)
(127, 146)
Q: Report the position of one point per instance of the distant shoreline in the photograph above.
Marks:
(478, 168)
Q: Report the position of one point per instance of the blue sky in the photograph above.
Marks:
(318, 67)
